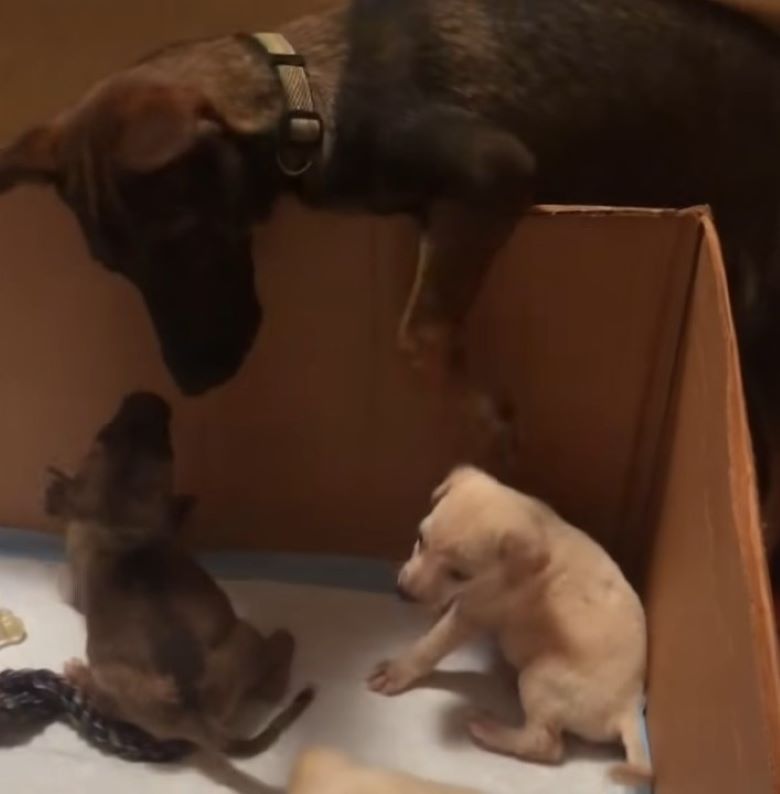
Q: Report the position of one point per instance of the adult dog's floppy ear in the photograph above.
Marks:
(158, 123)
(32, 157)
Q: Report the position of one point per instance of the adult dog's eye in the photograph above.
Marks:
(457, 575)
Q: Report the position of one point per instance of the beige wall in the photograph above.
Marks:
(50, 50)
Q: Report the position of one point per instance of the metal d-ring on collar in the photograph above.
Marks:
(302, 127)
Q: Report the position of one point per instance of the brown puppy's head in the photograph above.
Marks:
(165, 166)
(125, 484)
(480, 537)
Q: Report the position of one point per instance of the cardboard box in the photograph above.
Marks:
(609, 330)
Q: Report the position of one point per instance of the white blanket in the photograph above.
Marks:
(341, 634)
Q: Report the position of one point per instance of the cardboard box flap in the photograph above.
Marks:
(714, 684)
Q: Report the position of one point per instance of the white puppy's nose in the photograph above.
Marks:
(403, 593)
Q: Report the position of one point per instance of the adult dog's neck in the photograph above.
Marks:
(322, 40)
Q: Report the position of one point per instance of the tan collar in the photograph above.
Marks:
(302, 129)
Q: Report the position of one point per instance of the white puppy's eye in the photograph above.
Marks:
(457, 575)
(420, 541)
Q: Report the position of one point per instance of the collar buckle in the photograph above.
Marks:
(301, 131)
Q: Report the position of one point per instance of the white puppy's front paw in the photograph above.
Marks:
(390, 678)
(483, 728)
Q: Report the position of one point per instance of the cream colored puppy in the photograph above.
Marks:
(322, 771)
(489, 558)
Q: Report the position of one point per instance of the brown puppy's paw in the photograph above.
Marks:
(164, 690)
(392, 677)
(77, 674)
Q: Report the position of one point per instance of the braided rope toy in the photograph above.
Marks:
(43, 695)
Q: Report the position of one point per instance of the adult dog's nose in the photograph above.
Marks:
(403, 593)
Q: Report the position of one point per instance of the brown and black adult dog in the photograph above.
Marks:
(165, 649)
(459, 112)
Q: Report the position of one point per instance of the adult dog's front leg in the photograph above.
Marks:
(448, 633)
(477, 182)
(458, 245)
(477, 179)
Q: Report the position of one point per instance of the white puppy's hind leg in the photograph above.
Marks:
(533, 742)
(637, 769)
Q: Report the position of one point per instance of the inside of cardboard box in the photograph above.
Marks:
(325, 419)
(326, 443)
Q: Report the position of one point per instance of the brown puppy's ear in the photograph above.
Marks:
(30, 158)
(181, 508)
(523, 553)
(57, 495)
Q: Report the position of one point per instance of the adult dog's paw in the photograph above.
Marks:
(430, 348)
(390, 678)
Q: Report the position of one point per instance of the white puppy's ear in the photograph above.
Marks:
(523, 553)
(451, 480)
(440, 491)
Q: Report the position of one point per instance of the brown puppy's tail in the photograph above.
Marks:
(245, 748)
(211, 758)
(637, 770)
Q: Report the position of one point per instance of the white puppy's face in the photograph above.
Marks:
(435, 574)
(475, 540)
(455, 548)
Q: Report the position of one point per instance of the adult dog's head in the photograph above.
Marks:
(166, 165)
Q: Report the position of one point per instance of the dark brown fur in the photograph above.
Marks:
(165, 649)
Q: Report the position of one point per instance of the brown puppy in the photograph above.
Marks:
(492, 559)
(165, 649)
(323, 771)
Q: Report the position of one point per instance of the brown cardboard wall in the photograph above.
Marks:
(714, 684)
(325, 441)
(579, 326)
